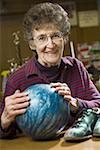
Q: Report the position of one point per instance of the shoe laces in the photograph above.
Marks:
(82, 119)
(96, 110)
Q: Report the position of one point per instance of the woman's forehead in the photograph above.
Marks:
(44, 31)
(49, 26)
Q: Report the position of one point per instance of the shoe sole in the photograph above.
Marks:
(77, 138)
(96, 135)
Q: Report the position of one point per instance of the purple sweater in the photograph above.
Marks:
(71, 71)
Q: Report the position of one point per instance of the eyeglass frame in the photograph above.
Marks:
(52, 37)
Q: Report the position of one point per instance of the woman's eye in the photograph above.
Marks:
(56, 35)
(42, 38)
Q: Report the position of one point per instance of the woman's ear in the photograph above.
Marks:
(32, 45)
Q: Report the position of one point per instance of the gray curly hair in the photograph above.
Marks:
(45, 13)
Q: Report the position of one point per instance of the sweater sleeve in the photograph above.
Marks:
(92, 96)
(11, 131)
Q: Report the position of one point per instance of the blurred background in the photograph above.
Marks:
(84, 38)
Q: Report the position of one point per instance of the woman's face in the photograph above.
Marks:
(49, 44)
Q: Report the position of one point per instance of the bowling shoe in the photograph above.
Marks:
(83, 127)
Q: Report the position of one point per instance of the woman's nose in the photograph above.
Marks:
(50, 41)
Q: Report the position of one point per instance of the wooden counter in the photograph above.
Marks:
(25, 143)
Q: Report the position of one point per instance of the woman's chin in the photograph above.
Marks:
(52, 62)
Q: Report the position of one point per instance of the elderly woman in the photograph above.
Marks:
(47, 29)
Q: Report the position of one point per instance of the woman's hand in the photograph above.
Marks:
(15, 104)
(64, 90)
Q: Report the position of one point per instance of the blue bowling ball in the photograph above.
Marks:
(47, 114)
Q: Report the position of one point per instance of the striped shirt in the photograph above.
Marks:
(70, 71)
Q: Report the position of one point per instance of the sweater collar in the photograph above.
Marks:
(31, 69)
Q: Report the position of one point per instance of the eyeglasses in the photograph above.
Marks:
(43, 38)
